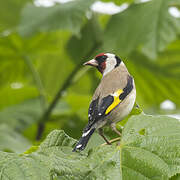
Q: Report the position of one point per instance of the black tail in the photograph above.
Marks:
(84, 140)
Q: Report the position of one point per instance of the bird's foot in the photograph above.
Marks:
(112, 141)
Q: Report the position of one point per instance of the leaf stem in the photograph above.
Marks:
(37, 81)
(39, 86)
(67, 83)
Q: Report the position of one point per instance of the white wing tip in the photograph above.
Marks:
(78, 146)
(85, 133)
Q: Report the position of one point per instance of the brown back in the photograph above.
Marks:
(111, 82)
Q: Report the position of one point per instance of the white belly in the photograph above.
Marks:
(128, 105)
(120, 112)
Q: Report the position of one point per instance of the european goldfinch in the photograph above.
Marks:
(113, 99)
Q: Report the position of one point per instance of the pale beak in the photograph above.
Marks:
(92, 62)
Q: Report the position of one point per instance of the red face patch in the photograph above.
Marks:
(101, 59)
(102, 67)
(101, 54)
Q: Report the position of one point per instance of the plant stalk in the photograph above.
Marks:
(67, 83)
(37, 81)
(40, 88)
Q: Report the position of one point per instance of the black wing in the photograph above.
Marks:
(127, 89)
(98, 110)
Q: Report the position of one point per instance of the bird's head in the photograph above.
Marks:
(105, 62)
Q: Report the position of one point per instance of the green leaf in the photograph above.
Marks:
(21, 115)
(80, 107)
(39, 49)
(156, 81)
(148, 25)
(153, 154)
(68, 16)
(13, 67)
(61, 108)
(55, 139)
(160, 140)
(19, 91)
(86, 45)
(11, 141)
(164, 30)
(53, 73)
(176, 177)
(10, 14)
(117, 2)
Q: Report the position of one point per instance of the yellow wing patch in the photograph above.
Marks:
(116, 101)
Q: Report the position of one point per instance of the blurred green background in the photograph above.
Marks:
(43, 44)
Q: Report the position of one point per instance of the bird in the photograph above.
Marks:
(113, 99)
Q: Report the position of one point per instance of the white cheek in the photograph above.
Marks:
(129, 103)
(122, 64)
(110, 64)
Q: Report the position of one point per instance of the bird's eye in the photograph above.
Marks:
(103, 57)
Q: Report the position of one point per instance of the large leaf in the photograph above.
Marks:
(147, 24)
(149, 149)
(10, 14)
(55, 72)
(14, 71)
(86, 45)
(16, 93)
(39, 49)
(156, 81)
(12, 141)
(21, 116)
(10, 49)
(67, 16)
